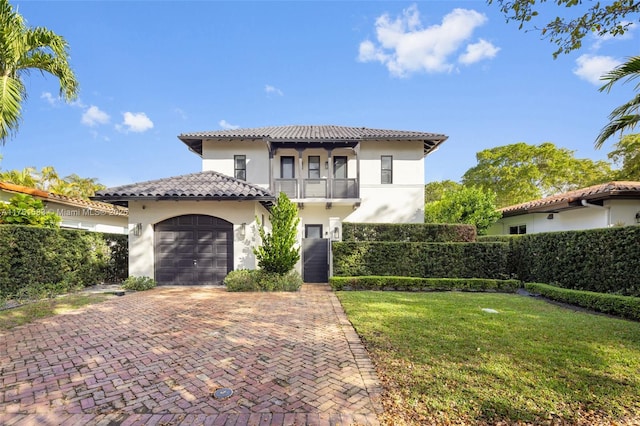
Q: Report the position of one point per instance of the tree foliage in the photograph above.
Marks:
(626, 154)
(434, 191)
(469, 205)
(23, 49)
(521, 172)
(608, 19)
(47, 179)
(278, 252)
(626, 116)
(23, 209)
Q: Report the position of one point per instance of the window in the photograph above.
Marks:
(286, 167)
(314, 167)
(313, 231)
(340, 167)
(240, 167)
(518, 229)
(386, 169)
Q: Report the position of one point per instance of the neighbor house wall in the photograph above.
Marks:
(148, 213)
(613, 212)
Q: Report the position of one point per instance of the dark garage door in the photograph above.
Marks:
(193, 250)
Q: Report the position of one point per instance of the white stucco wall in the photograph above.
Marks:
(218, 156)
(614, 212)
(148, 213)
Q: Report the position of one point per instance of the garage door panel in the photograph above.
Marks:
(184, 239)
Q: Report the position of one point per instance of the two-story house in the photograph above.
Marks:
(194, 229)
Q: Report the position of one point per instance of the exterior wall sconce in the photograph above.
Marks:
(137, 229)
(243, 230)
(550, 216)
(326, 165)
(638, 217)
(336, 233)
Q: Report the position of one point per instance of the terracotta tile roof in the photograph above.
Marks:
(628, 189)
(301, 134)
(207, 185)
(63, 199)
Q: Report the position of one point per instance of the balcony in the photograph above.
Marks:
(325, 189)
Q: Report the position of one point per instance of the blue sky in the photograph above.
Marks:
(150, 70)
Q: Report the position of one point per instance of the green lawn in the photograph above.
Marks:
(48, 307)
(443, 360)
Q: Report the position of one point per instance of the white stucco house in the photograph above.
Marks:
(76, 213)
(598, 206)
(194, 229)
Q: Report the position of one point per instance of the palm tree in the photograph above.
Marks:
(23, 49)
(626, 116)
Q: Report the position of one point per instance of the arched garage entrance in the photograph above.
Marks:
(193, 250)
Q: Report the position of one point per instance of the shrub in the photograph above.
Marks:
(427, 260)
(422, 284)
(408, 232)
(23, 209)
(139, 283)
(623, 306)
(259, 280)
(32, 256)
(278, 252)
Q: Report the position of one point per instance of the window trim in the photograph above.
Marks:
(293, 166)
(382, 169)
(309, 169)
(520, 229)
(346, 166)
(236, 169)
(314, 226)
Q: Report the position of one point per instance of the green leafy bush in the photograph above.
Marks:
(623, 306)
(23, 209)
(34, 257)
(260, 280)
(423, 284)
(139, 283)
(427, 260)
(408, 232)
(278, 252)
(600, 260)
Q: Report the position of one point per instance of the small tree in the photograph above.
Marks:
(469, 205)
(278, 253)
(23, 209)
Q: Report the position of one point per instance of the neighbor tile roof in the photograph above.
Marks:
(312, 133)
(204, 185)
(63, 199)
(627, 189)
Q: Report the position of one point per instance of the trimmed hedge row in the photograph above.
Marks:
(623, 306)
(426, 260)
(408, 232)
(32, 256)
(423, 284)
(600, 260)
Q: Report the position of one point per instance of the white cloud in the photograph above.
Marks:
(227, 126)
(628, 35)
(270, 89)
(137, 122)
(93, 116)
(478, 51)
(592, 67)
(405, 47)
(52, 100)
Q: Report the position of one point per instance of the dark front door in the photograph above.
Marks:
(193, 250)
(315, 255)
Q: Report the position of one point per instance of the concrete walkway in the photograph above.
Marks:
(157, 357)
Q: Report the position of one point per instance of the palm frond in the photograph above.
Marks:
(620, 124)
(12, 93)
(629, 70)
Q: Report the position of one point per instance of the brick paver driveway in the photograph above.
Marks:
(157, 357)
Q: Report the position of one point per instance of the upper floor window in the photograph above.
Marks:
(386, 170)
(287, 169)
(314, 167)
(240, 167)
(518, 229)
(340, 167)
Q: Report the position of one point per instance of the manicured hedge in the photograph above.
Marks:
(423, 284)
(408, 232)
(623, 306)
(600, 260)
(30, 256)
(496, 238)
(435, 260)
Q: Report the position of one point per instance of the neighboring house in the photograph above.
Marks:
(194, 229)
(598, 206)
(76, 213)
